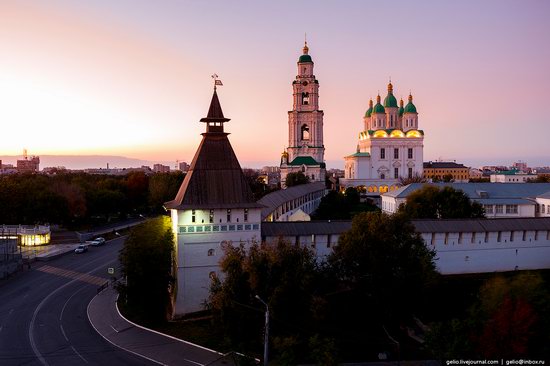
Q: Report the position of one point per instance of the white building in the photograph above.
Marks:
(292, 204)
(390, 147)
(498, 200)
(306, 151)
(511, 176)
(214, 206)
(461, 246)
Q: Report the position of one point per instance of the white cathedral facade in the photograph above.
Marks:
(306, 151)
(390, 147)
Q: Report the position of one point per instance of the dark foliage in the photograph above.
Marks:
(147, 265)
(431, 202)
(295, 179)
(78, 199)
(341, 206)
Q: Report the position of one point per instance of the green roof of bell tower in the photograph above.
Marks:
(305, 57)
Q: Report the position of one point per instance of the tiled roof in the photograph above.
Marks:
(215, 178)
(442, 165)
(482, 225)
(303, 160)
(294, 228)
(275, 199)
(477, 190)
(304, 228)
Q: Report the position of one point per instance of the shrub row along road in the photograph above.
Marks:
(43, 319)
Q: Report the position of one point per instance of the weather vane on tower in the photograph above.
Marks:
(216, 81)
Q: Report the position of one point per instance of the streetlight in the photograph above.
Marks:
(266, 332)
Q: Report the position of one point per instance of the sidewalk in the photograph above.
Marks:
(162, 349)
(47, 252)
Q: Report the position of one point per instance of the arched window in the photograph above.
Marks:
(382, 176)
(210, 252)
(305, 98)
(305, 132)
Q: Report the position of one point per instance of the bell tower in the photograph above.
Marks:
(306, 150)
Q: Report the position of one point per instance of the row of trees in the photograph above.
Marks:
(75, 199)
(343, 304)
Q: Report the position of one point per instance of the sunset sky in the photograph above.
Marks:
(132, 77)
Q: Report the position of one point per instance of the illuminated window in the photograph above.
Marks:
(383, 156)
(211, 219)
(192, 215)
(245, 214)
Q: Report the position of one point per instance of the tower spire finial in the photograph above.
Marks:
(306, 48)
(216, 81)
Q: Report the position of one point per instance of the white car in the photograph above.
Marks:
(81, 249)
(100, 239)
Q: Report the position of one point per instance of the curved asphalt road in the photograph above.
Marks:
(43, 317)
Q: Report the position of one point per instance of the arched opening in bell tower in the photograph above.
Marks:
(305, 132)
(305, 98)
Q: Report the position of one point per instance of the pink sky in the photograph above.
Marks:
(132, 78)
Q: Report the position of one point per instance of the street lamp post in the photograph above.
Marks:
(266, 331)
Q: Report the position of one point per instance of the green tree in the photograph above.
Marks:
(163, 188)
(284, 275)
(295, 179)
(431, 202)
(385, 264)
(147, 264)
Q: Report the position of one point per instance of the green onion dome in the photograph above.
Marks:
(378, 108)
(390, 100)
(410, 108)
(305, 57)
(369, 111)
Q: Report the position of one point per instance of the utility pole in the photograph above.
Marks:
(266, 331)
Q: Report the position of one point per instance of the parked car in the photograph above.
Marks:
(93, 243)
(81, 249)
(100, 239)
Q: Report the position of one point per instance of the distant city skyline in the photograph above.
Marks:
(132, 78)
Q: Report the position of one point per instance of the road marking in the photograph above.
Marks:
(195, 362)
(63, 331)
(79, 355)
(66, 302)
(85, 277)
(41, 304)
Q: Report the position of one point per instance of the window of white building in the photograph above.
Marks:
(488, 209)
(192, 215)
(499, 209)
(410, 172)
(396, 153)
(410, 153)
(228, 215)
(246, 215)
(383, 155)
(396, 173)
(511, 209)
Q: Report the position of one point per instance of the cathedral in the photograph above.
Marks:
(390, 147)
(306, 151)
